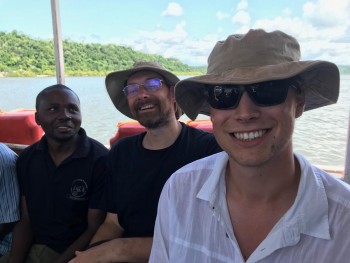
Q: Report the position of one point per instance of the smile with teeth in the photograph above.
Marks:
(146, 107)
(249, 136)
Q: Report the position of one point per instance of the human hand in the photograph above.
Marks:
(89, 256)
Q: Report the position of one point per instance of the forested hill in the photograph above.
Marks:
(21, 55)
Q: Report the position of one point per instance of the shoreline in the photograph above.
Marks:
(13, 75)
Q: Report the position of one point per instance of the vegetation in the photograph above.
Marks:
(21, 55)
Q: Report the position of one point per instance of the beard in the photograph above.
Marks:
(160, 117)
(154, 123)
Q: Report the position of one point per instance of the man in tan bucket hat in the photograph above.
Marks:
(140, 165)
(257, 201)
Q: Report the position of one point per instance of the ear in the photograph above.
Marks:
(172, 91)
(172, 94)
(37, 119)
(300, 108)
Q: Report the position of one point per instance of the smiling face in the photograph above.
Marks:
(152, 109)
(58, 113)
(253, 135)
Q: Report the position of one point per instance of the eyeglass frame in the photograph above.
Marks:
(144, 87)
(293, 83)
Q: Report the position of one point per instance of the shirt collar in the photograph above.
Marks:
(311, 204)
(82, 150)
(308, 214)
(209, 191)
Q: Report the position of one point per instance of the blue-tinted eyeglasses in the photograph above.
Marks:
(262, 94)
(150, 85)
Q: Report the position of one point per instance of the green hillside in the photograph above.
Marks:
(21, 55)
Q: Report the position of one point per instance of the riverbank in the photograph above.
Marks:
(29, 74)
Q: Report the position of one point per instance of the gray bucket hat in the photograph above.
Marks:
(115, 82)
(256, 57)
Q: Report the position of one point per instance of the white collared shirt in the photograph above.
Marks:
(193, 223)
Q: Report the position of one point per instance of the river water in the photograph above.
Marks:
(320, 135)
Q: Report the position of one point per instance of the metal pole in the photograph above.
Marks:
(57, 39)
(347, 156)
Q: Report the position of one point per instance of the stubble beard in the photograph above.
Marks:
(160, 118)
(155, 121)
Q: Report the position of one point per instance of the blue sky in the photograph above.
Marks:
(186, 29)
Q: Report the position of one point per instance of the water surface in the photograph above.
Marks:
(320, 135)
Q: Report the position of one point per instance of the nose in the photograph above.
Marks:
(65, 114)
(246, 109)
(142, 92)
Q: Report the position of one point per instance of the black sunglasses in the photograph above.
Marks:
(263, 94)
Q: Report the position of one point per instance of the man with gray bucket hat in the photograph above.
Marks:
(257, 201)
(140, 165)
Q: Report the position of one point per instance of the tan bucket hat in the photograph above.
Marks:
(256, 57)
(116, 81)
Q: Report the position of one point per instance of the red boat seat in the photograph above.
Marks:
(130, 128)
(126, 129)
(204, 125)
(19, 127)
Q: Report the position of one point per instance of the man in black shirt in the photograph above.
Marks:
(140, 165)
(61, 180)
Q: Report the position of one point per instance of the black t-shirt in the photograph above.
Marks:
(136, 176)
(58, 198)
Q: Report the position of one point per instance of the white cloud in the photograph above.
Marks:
(175, 44)
(327, 13)
(243, 29)
(222, 15)
(319, 36)
(242, 5)
(241, 17)
(173, 9)
(196, 51)
(286, 12)
(172, 43)
(321, 30)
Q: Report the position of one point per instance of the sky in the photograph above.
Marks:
(186, 29)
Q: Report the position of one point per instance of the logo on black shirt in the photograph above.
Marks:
(78, 190)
